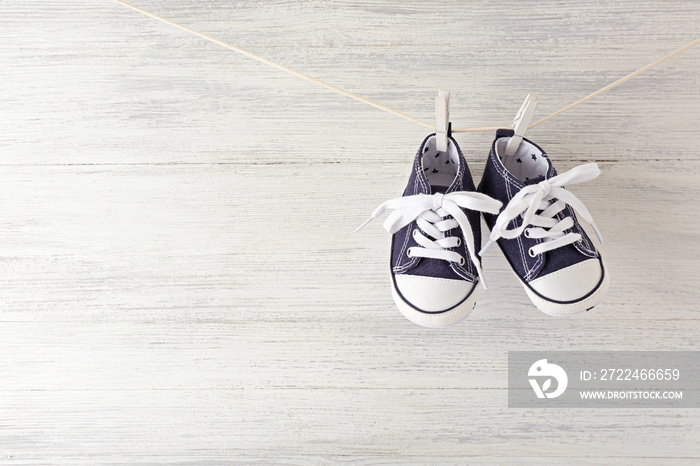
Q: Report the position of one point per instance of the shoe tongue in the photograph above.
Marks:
(438, 189)
(534, 180)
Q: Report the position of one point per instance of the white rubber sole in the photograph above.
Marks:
(436, 320)
(559, 309)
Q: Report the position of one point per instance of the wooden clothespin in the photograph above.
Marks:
(442, 120)
(521, 122)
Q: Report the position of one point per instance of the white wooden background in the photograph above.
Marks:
(179, 280)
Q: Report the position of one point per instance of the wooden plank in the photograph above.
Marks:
(180, 280)
(137, 91)
(174, 424)
(126, 242)
(389, 354)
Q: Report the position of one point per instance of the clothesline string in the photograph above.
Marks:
(390, 110)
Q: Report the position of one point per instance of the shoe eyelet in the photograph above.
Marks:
(415, 232)
(459, 242)
(409, 253)
(530, 253)
(462, 261)
(526, 233)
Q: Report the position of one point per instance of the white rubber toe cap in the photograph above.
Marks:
(431, 294)
(571, 283)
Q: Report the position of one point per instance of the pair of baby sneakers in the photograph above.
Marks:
(435, 256)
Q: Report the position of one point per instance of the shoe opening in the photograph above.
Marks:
(528, 164)
(440, 168)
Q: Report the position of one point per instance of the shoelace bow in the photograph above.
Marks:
(432, 213)
(541, 197)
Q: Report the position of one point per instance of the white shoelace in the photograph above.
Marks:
(549, 197)
(430, 211)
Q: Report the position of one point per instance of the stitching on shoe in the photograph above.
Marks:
(466, 273)
(584, 246)
(519, 242)
(417, 169)
(511, 181)
(407, 265)
(432, 278)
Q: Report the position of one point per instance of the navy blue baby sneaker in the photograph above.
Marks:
(436, 232)
(556, 262)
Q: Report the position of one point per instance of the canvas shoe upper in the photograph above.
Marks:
(538, 231)
(436, 235)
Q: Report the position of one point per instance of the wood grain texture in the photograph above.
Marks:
(180, 280)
